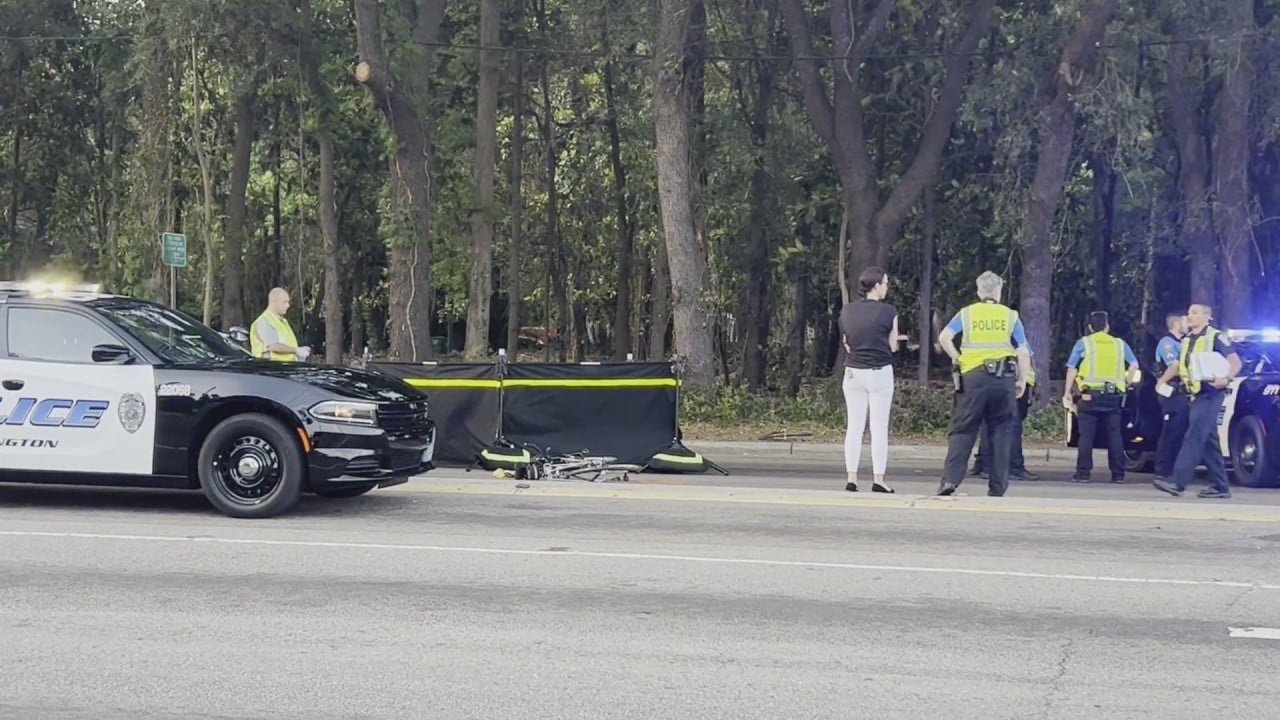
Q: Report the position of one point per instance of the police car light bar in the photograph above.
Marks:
(49, 288)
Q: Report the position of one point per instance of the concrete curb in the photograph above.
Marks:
(717, 450)
(1190, 510)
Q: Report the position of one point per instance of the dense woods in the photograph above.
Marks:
(591, 180)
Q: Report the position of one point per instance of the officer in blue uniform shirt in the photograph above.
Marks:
(1201, 444)
(991, 369)
(1173, 408)
(1097, 378)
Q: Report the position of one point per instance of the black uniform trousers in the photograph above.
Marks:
(1201, 444)
(1176, 409)
(993, 400)
(1017, 462)
(1101, 408)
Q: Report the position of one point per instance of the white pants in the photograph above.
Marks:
(868, 389)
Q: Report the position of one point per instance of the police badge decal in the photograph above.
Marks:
(132, 412)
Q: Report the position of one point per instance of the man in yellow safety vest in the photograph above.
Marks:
(1096, 375)
(271, 337)
(1208, 388)
(992, 364)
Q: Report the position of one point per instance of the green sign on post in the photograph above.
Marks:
(173, 249)
(173, 252)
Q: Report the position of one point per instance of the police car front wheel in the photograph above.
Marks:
(251, 466)
(1249, 458)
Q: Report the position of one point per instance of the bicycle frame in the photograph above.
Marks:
(575, 466)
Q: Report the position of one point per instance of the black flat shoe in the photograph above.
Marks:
(876, 487)
(851, 487)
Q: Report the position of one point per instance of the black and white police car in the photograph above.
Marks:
(1248, 428)
(99, 389)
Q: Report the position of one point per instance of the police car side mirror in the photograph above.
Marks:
(238, 333)
(112, 354)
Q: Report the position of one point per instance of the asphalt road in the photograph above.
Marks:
(918, 470)
(497, 602)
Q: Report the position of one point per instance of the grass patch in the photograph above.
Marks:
(817, 414)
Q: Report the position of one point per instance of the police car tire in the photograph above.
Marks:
(1249, 428)
(286, 447)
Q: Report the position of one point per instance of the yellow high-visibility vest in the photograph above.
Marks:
(1204, 343)
(259, 348)
(1103, 362)
(987, 328)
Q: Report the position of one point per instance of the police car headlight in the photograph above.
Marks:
(346, 412)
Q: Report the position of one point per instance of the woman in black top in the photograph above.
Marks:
(870, 330)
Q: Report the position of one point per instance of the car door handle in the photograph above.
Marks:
(13, 384)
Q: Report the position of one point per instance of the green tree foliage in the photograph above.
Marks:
(101, 150)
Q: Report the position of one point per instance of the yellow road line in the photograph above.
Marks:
(681, 494)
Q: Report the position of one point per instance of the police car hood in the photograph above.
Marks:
(347, 382)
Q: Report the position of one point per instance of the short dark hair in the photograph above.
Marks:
(870, 278)
(1173, 315)
(1098, 320)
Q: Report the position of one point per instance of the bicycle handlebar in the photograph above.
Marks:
(545, 453)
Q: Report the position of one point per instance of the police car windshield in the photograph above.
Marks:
(174, 336)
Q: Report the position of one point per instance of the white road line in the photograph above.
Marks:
(643, 556)
(1260, 633)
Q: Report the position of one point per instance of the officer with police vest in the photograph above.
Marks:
(992, 374)
(1174, 407)
(270, 335)
(1200, 444)
(1095, 384)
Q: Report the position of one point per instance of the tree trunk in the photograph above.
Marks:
(660, 313)
(484, 161)
(206, 185)
(686, 262)
(800, 293)
(1231, 167)
(625, 227)
(401, 93)
(233, 312)
(1103, 200)
(837, 117)
(758, 317)
(581, 340)
(1053, 161)
(557, 270)
(333, 330)
(1193, 167)
(640, 306)
(926, 284)
(356, 315)
(14, 67)
(276, 244)
(326, 195)
(515, 260)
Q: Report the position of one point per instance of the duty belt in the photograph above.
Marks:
(1000, 367)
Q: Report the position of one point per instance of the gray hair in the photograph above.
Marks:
(989, 286)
